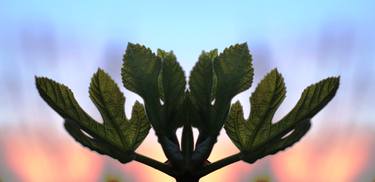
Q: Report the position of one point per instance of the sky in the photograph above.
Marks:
(306, 40)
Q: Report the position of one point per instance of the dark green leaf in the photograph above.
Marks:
(201, 85)
(214, 81)
(140, 71)
(257, 136)
(265, 100)
(87, 141)
(300, 130)
(312, 100)
(138, 126)
(94, 144)
(110, 102)
(140, 74)
(62, 100)
(234, 71)
(116, 137)
(236, 127)
(173, 85)
(201, 80)
(149, 75)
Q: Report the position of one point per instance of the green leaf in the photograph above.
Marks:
(257, 137)
(201, 81)
(140, 71)
(236, 128)
(116, 137)
(94, 144)
(201, 85)
(234, 71)
(265, 100)
(110, 102)
(312, 100)
(87, 141)
(172, 85)
(299, 131)
(62, 100)
(155, 78)
(140, 74)
(138, 126)
(278, 144)
(214, 81)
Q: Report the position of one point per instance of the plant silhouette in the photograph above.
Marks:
(169, 104)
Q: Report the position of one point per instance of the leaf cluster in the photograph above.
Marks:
(170, 102)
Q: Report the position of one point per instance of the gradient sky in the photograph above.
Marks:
(306, 40)
(328, 37)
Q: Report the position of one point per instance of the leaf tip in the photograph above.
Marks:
(237, 105)
(38, 81)
(130, 44)
(275, 71)
(99, 73)
(244, 44)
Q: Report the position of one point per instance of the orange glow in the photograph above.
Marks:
(41, 159)
(340, 160)
(36, 158)
(140, 172)
(151, 148)
(233, 172)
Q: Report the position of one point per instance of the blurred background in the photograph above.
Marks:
(306, 40)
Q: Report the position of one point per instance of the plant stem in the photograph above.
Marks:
(187, 179)
(219, 164)
(155, 164)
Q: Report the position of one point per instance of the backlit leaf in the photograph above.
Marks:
(257, 137)
(173, 85)
(201, 85)
(116, 137)
(140, 71)
(234, 71)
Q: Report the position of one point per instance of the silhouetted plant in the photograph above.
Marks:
(205, 104)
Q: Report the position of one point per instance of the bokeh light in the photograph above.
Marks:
(68, 40)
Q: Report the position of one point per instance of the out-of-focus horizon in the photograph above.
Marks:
(306, 41)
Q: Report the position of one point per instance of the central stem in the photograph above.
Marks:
(187, 178)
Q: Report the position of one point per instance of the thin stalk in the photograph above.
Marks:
(219, 164)
(155, 164)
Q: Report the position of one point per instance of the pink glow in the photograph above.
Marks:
(334, 159)
(31, 158)
(59, 159)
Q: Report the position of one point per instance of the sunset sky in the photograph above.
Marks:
(306, 40)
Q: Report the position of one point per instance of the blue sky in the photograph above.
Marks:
(315, 39)
(306, 40)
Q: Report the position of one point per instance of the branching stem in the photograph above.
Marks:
(219, 164)
(155, 164)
